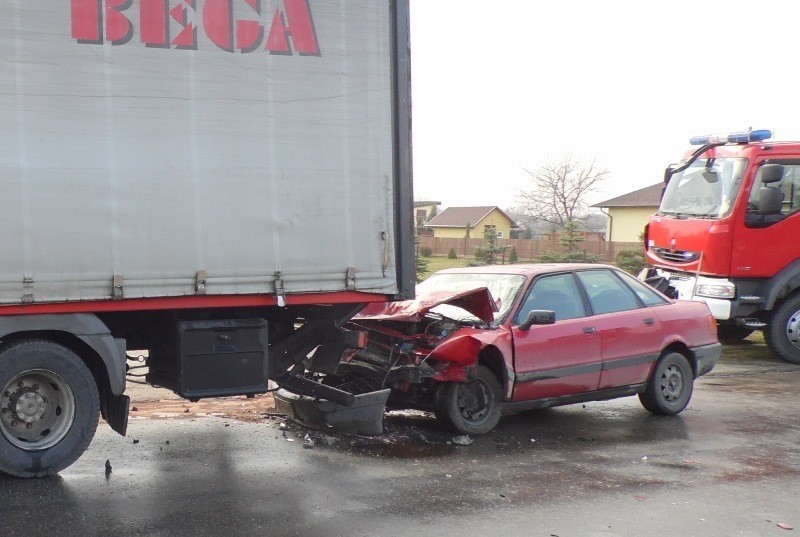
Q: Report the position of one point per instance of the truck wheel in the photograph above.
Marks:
(49, 408)
(470, 407)
(732, 333)
(783, 332)
(670, 386)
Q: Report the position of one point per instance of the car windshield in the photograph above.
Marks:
(503, 287)
(706, 189)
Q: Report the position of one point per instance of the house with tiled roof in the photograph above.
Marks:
(424, 211)
(629, 213)
(460, 222)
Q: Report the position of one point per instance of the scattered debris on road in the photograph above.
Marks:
(464, 440)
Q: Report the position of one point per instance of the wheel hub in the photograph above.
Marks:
(473, 401)
(29, 406)
(672, 383)
(36, 410)
(793, 329)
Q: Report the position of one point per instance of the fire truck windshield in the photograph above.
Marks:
(706, 189)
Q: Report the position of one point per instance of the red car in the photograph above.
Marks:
(481, 342)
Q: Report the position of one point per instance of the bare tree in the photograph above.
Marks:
(557, 191)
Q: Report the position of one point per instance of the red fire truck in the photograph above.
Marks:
(727, 232)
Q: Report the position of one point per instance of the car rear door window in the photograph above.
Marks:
(607, 293)
(558, 293)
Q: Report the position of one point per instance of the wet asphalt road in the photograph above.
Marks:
(729, 465)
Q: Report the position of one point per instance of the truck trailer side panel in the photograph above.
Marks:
(157, 143)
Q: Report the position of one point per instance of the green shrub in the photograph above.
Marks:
(489, 251)
(631, 261)
(452, 254)
(512, 256)
(579, 256)
(422, 269)
(425, 251)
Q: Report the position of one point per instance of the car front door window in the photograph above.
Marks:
(558, 293)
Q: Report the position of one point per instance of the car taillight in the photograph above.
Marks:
(712, 322)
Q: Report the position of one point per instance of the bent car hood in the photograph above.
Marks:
(478, 302)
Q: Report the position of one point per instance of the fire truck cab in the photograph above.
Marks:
(726, 233)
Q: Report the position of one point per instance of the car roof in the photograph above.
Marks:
(523, 269)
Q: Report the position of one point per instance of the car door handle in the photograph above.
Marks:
(589, 329)
(649, 321)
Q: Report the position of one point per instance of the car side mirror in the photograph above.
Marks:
(538, 317)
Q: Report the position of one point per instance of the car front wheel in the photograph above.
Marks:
(670, 386)
(471, 407)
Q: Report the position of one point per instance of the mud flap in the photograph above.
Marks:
(364, 416)
(114, 409)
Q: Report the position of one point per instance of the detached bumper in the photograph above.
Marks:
(706, 357)
(364, 416)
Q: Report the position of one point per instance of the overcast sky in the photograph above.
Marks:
(503, 85)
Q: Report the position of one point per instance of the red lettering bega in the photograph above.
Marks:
(291, 26)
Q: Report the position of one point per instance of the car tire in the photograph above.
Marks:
(670, 386)
(49, 408)
(471, 407)
(782, 335)
(732, 333)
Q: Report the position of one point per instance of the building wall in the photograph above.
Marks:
(429, 209)
(495, 218)
(627, 223)
(451, 232)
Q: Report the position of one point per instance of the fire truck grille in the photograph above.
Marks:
(676, 256)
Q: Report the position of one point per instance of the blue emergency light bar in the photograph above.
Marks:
(732, 138)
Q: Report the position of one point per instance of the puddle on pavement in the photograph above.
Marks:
(402, 448)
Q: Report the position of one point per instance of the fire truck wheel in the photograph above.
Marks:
(783, 331)
(470, 407)
(49, 408)
(670, 386)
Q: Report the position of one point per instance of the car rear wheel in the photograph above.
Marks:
(471, 407)
(670, 386)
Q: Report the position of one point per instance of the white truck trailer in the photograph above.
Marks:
(222, 183)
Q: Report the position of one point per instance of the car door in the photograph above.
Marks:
(630, 332)
(562, 358)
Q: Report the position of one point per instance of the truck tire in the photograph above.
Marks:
(49, 408)
(670, 386)
(470, 407)
(783, 331)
